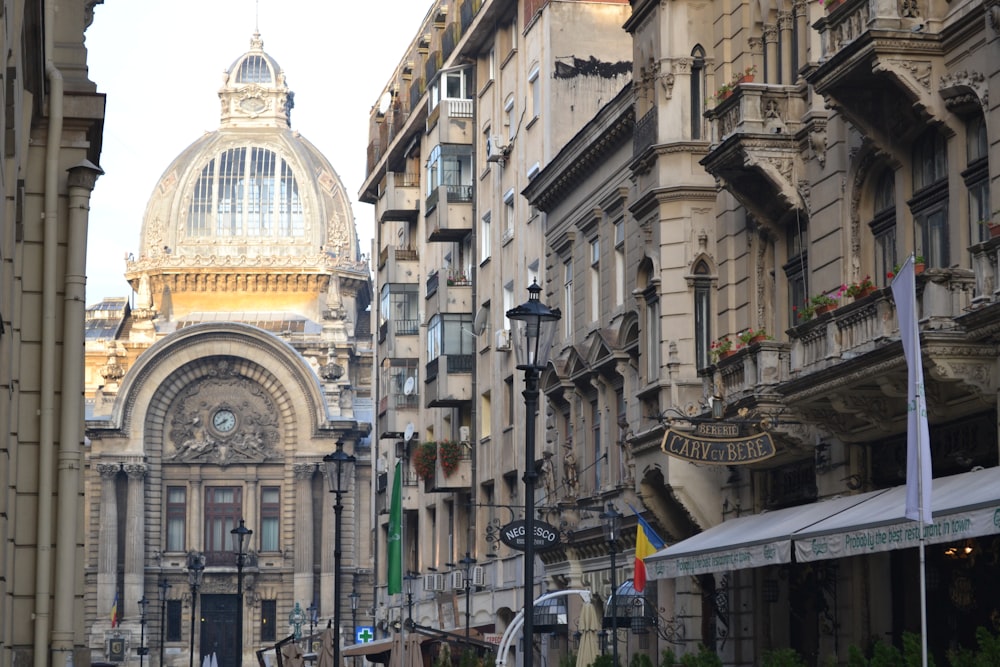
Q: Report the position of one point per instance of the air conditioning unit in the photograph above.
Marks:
(434, 582)
(503, 339)
(479, 576)
(496, 149)
(457, 580)
(463, 434)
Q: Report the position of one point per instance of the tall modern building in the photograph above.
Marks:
(51, 149)
(243, 358)
(708, 225)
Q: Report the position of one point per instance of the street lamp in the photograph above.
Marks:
(241, 540)
(355, 599)
(339, 470)
(468, 562)
(164, 586)
(195, 568)
(143, 606)
(536, 327)
(408, 580)
(612, 521)
(313, 612)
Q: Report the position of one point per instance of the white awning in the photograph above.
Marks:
(965, 505)
(751, 541)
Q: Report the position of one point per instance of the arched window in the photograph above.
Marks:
(883, 225)
(930, 199)
(977, 177)
(702, 314)
(697, 91)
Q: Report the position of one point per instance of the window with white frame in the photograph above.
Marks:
(508, 303)
(485, 247)
(536, 92)
(620, 262)
(508, 215)
(568, 297)
(595, 280)
(508, 110)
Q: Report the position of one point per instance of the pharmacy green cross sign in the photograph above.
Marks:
(364, 634)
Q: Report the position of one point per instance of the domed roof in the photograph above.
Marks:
(252, 193)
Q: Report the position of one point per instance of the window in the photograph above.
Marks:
(173, 629)
(400, 305)
(450, 166)
(568, 297)
(595, 280)
(485, 416)
(930, 199)
(485, 243)
(508, 389)
(702, 315)
(508, 109)
(246, 192)
(796, 270)
(508, 215)
(595, 416)
(536, 92)
(976, 178)
(399, 381)
(270, 516)
(652, 339)
(620, 262)
(697, 91)
(268, 620)
(450, 334)
(223, 509)
(176, 518)
(508, 303)
(883, 226)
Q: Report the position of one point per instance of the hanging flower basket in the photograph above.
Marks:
(450, 453)
(424, 459)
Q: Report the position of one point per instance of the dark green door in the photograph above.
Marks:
(218, 629)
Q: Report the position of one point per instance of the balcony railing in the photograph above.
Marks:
(644, 134)
(407, 327)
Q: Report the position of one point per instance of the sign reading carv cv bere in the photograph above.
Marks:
(720, 443)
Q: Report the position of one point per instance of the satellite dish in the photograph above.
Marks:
(408, 434)
(384, 102)
(409, 386)
(479, 324)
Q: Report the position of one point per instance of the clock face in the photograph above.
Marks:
(224, 421)
(253, 105)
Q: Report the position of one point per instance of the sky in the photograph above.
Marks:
(161, 64)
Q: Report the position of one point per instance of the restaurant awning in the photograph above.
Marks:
(965, 506)
(379, 650)
(750, 541)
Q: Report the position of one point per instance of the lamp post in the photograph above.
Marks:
(241, 540)
(468, 562)
(355, 599)
(313, 612)
(164, 586)
(612, 521)
(408, 579)
(536, 324)
(143, 606)
(195, 568)
(339, 470)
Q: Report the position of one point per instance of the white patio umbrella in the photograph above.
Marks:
(589, 625)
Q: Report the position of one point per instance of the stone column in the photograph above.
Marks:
(305, 528)
(107, 545)
(771, 48)
(326, 529)
(785, 31)
(135, 535)
(801, 9)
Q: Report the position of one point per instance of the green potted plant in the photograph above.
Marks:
(450, 453)
(747, 75)
(721, 348)
(424, 459)
(823, 303)
(724, 91)
(751, 336)
(861, 288)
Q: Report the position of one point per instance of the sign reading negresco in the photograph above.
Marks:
(513, 535)
(722, 445)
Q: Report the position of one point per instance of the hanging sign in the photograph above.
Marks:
(513, 535)
(719, 443)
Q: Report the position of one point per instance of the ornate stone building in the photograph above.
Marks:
(50, 148)
(213, 398)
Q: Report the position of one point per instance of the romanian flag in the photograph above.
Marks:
(647, 543)
(114, 612)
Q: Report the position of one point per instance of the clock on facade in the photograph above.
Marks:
(224, 420)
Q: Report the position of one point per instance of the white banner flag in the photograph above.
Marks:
(918, 439)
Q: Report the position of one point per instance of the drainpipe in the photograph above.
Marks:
(46, 441)
(81, 182)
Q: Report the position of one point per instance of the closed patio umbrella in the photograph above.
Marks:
(588, 626)
(326, 649)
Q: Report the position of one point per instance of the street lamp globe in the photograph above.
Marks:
(536, 328)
